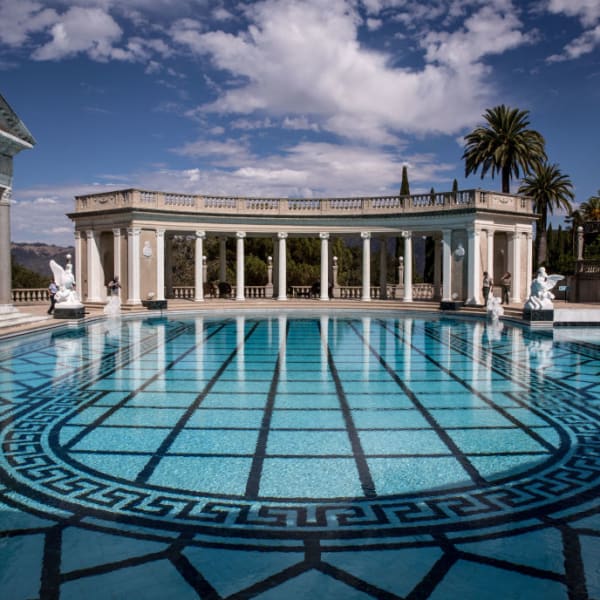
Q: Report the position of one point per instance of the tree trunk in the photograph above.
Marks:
(541, 248)
(506, 180)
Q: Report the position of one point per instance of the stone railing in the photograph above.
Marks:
(372, 205)
(30, 295)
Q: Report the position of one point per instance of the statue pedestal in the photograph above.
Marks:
(69, 312)
(538, 314)
(155, 304)
(451, 304)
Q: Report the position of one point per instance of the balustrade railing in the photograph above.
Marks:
(415, 203)
(421, 291)
(30, 295)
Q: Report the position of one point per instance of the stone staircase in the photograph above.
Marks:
(15, 319)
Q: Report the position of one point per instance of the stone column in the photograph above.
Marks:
(133, 265)
(116, 253)
(282, 270)
(160, 264)
(515, 240)
(437, 267)
(447, 265)
(366, 266)
(169, 267)
(239, 272)
(336, 285)
(529, 262)
(490, 253)
(408, 262)
(324, 266)
(5, 258)
(94, 269)
(269, 286)
(222, 259)
(79, 263)
(473, 267)
(198, 267)
(383, 270)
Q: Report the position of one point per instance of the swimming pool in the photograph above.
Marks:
(297, 455)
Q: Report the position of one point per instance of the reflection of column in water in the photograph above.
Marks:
(270, 332)
(68, 355)
(519, 358)
(324, 345)
(161, 361)
(446, 340)
(407, 336)
(199, 350)
(135, 336)
(240, 323)
(282, 322)
(366, 325)
(477, 354)
(96, 335)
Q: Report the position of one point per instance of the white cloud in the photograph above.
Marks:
(298, 59)
(20, 18)
(584, 44)
(587, 11)
(88, 30)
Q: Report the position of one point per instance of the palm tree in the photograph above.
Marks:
(505, 145)
(550, 189)
(590, 210)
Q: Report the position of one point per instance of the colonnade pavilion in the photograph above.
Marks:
(127, 233)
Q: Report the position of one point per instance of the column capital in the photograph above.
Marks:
(134, 231)
(5, 197)
(240, 235)
(116, 232)
(77, 235)
(365, 235)
(160, 233)
(90, 233)
(282, 235)
(407, 234)
(324, 235)
(200, 235)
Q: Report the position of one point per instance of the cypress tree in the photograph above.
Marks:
(404, 187)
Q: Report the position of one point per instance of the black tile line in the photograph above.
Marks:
(272, 581)
(97, 422)
(574, 567)
(355, 582)
(50, 576)
(501, 410)
(253, 482)
(434, 577)
(193, 577)
(147, 471)
(111, 567)
(458, 454)
(366, 479)
(510, 566)
(71, 380)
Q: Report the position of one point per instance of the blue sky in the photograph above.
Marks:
(285, 97)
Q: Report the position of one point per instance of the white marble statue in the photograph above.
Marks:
(66, 296)
(540, 296)
(494, 307)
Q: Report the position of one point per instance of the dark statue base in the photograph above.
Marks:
(451, 304)
(155, 304)
(536, 315)
(69, 312)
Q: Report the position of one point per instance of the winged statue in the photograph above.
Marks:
(541, 297)
(65, 280)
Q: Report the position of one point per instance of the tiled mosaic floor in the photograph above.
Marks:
(326, 457)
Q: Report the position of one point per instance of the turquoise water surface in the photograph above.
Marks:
(299, 455)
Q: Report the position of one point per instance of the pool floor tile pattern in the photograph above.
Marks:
(388, 410)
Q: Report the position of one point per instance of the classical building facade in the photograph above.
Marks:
(14, 137)
(126, 233)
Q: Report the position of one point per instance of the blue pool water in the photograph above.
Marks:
(292, 456)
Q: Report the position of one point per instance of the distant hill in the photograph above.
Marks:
(37, 256)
